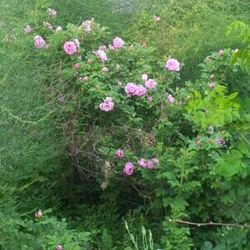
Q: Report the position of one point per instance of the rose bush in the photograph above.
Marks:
(140, 141)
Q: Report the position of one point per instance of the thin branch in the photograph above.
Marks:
(210, 224)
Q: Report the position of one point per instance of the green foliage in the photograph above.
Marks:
(58, 148)
(189, 29)
(242, 32)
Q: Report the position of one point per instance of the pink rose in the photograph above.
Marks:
(131, 89)
(102, 55)
(39, 42)
(150, 164)
(70, 47)
(107, 105)
(143, 163)
(27, 29)
(144, 77)
(128, 169)
(119, 153)
(52, 12)
(173, 65)
(151, 84)
(170, 99)
(118, 43)
(141, 91)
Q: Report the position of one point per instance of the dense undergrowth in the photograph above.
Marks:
(187, 134)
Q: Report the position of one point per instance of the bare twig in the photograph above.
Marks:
(210, 224)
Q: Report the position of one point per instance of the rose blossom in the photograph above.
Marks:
(39, 42)
(59, 247)
(119, 153)
(170, 99)
(131, 89)
(150, 164)
(128, 169)
(52, 12)
(118, 43)
(70, 47)
(173, 65)
(143, 163)
(141, 91)
(150, 84)
(107, 105)
(27, 29)
(102, 55)
(144, 77)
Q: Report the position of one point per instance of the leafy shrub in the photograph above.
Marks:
(163, 153)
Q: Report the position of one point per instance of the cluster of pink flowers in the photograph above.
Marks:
(151, 164)
(173, 65)
(149, 83)
(148, 164)
(129, 166)
(131, 89)
(107, 105)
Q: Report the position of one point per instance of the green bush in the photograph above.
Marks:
(59, 143)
